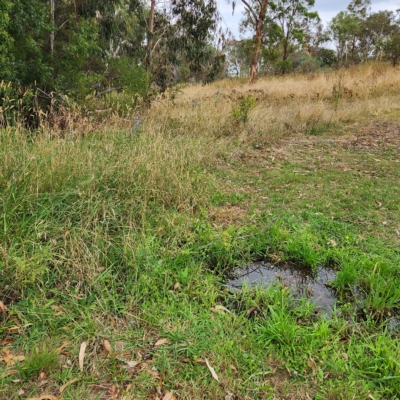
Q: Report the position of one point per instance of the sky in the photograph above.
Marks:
(327, 10)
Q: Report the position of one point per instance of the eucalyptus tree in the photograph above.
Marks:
(392, 47)
(187, 33)
(374, 32)
(256, 15)
(360, 8)
(295, 19)
(343, 31)
(287, 25)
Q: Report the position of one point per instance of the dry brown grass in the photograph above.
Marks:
(285, 105)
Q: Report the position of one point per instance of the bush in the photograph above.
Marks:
(241, 112)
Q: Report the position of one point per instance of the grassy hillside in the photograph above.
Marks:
(116, 245)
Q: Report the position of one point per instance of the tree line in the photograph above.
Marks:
(84, 47)
(75, 46)
(287, 35)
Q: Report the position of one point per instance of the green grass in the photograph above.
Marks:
(128, 239)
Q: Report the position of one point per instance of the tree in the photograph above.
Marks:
(360, 8)
(182, 34)
(392, 48)
(343, 31)
(256, 12)
(5, 40)
(373, 33)
(238, 57)
(294, 18)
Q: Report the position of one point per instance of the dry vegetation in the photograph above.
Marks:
(286, 105)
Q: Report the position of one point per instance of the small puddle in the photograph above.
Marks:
(304, 283)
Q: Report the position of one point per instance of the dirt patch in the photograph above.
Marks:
(228, 214)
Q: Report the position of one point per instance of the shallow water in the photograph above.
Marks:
(303, 282)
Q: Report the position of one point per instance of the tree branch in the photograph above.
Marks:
(250, 9)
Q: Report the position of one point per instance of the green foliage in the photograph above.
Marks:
(241, 112)
(284, 66)
(5, 40)
(343, 31)
(85, 47)
(392, 48)
(124, 73)
(327, 57)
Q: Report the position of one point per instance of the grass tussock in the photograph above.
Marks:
(115, 245)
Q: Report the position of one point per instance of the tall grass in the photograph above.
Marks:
(285, 105)
(64, 203)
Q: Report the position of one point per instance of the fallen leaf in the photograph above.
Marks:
(212, 370)
(9, 373)
(153, 371)
(161, 342)
(16, 321)
(311, 363)
(9, 359)
(169, 396)
(21, 392)
(233, 368)
(107, 347)
(61, 348)
(6, 342)
(13, 330)
(346, 356)
(45, 397)
(132, 364)
(251, 311)
(63, 387)
(129, 387)
(58, 309)
(219, 309)
(42, 375)
(82, 355)
(3, 309)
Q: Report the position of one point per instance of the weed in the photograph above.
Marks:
(241, 112)
(40, 361)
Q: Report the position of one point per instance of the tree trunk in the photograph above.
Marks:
(254, 62)
(52, 19)
(150, 38)
(259, 41)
